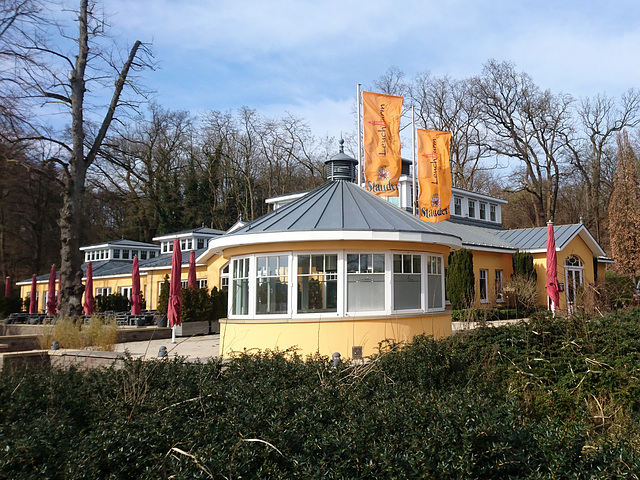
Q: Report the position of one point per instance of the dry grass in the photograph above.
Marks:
(97, 334)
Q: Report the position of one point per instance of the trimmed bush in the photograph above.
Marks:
(460, 281)
(553, 398)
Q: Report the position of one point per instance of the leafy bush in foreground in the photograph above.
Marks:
(550, 399)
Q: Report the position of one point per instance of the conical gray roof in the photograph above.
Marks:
(339, 206)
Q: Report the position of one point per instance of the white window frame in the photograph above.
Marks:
(471, 205)
(482, 210)
(125, 292)
(104, 291)
(499, 280)
(457, 206)
(340, 286)
(387, 281)
(423, 282)
(253, 278)
(493, 213)
(224, 275)
(486, 285)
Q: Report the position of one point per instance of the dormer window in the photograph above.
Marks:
(152, 254)
(483, 211)
(189, 244)
(200, 243)
(134, 253)
(164, 247)
(116, 253)
(125, 254)
(143, 254)
(457, 206)
(472, 209)
(492, 213)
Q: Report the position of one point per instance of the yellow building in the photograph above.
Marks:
(338, 269)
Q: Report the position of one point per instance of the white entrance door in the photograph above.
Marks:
(573, 280)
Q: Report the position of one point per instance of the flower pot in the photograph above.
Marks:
(161, 321)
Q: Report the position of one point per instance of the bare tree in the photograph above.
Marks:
(447, 105)
(56, 78)
(592, 152)
(528, 125)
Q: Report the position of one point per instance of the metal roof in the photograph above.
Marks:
(122, 243)
(475, 237)
(339, 206)
(535, 239)
(194, 231)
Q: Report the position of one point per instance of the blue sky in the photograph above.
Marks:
(306, 57)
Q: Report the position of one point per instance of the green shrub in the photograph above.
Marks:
(460, 280)
(114, 302)
(196, 305)
(552, 398)
(163, 300)
(9, 305)
(523, 265)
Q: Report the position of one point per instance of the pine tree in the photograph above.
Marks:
(624, 213)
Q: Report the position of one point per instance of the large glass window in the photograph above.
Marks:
(317, 283)
(434, 282)
(406, 282)
(484, 288)
(240, 286)
(272, 284)
(365, 282)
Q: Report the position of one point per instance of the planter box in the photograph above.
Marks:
(188, 329)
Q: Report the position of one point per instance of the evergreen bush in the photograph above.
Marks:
(163, 300)
(460, 281)
(552, 398)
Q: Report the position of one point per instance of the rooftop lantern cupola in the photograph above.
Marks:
(341, 166)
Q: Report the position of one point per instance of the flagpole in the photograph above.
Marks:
(413, 158)
(360, 167)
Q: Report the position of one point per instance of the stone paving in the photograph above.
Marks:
(201, 347)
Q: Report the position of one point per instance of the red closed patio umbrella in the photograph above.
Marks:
(33, 304)
(191, 279)
(89, 304)
(51, 296)
(553, 288)
(175, 299)
(7, 286)
(136, 302)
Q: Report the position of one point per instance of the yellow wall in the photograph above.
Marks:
(327, 337)
(149, 280)
(576, 247)
(491, 261)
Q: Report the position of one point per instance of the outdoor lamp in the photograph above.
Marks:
(335, 359)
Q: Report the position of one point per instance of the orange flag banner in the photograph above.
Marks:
(434, 175)
(382, 162)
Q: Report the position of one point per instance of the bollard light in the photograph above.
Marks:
(335, 358)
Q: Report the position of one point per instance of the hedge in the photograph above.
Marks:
(553, 398)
